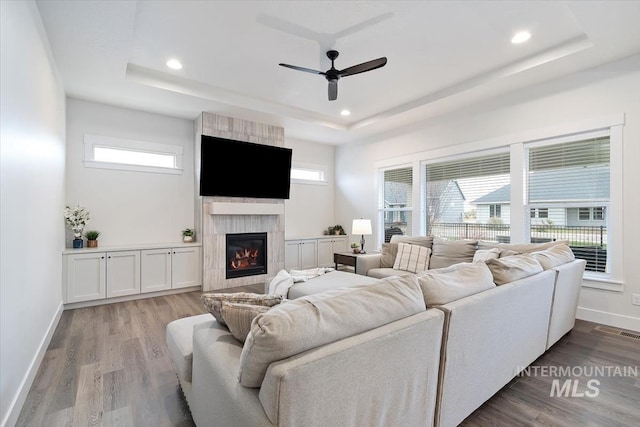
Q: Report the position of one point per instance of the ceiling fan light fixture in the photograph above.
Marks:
(174, 64)
(345, 113)
(521, 37)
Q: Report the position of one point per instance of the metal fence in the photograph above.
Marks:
(587, 242)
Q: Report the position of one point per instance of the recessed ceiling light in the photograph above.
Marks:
(345, 113)
(174, 64)
(521, 37)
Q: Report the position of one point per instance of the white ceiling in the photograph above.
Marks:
(442, 55)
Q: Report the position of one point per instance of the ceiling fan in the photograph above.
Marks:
(333, 75)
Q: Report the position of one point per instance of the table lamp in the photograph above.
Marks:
(362, 227)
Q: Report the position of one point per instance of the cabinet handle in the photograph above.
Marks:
(168, 253)
(102, 257)
(109, 256)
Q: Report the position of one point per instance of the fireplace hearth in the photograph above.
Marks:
(246, 254)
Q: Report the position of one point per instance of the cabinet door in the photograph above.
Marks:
(292, 255)
(340, 245)
(325, 253)
(85, 277)
(309, 254)
(185, 267)
(123, 273)
(155, 267)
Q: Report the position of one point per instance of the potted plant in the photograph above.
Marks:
(356, 247)
(92, 238)
(187, 235)
(76, 218)
(338, 230)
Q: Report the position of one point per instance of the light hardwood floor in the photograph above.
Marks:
(108, 365)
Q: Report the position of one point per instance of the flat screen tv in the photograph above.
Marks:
(243, 169)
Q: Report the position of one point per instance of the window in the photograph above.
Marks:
(396, 201)
(307, 173)
(468, 197)
(540, 213)
(123, 154)
(571, 181)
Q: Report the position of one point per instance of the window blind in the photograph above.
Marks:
(469, 190)
(396, 201)
(570, 172)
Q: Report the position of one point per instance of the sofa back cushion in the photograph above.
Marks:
(485, 254)
(522, 248)
(448, 252)
(512, 268)
(426, 241)
(554, 256)
(388, 257)
(444, 285)
(315, 320)
(412, 258)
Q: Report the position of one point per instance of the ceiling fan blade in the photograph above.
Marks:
(365, 66)
(306, 70)
(333, 90)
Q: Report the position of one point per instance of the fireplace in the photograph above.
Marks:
(246, 254)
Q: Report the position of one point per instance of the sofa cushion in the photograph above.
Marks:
(179, 339)
(512, 268)
(238, 317)
(518, 247)
(213, 301)
(554, 256)
(412, 258)
(315, 320)
(448, 252)
(444, 285)
(388, 257)
(426, 241)
(485, 254)
(383, 273)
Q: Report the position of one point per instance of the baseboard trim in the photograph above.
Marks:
(18, 401)
(610, 319)
(133, 297)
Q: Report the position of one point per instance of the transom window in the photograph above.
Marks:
(307, 173)
(115, 153)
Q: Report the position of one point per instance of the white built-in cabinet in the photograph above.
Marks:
(305, 253)
(89, 274)
(327, 246)
(300, 254)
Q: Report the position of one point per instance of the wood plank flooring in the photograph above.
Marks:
(108, 366)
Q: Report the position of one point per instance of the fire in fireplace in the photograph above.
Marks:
(246, 254)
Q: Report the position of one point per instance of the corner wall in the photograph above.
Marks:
(31, 201)
(613, 88)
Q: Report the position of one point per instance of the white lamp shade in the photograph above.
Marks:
(361, 226)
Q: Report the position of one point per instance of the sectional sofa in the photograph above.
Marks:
(418, 349)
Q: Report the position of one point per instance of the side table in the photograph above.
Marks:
(349, 259)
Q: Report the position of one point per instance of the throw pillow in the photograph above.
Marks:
(512, 268)
(213, 301)
(238, 317)
(449, 284)
(449, 252)
(485, 254)
(389, 253)
(315, 320)
(554, 256)
(412, 258)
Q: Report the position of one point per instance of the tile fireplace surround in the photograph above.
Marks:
(218, 216)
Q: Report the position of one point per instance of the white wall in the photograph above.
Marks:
(310, 209)
(610, 89)
(129, 207)
(31, 201)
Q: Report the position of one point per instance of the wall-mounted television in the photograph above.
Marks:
(244, 169)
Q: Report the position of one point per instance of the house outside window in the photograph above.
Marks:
(396, 201)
